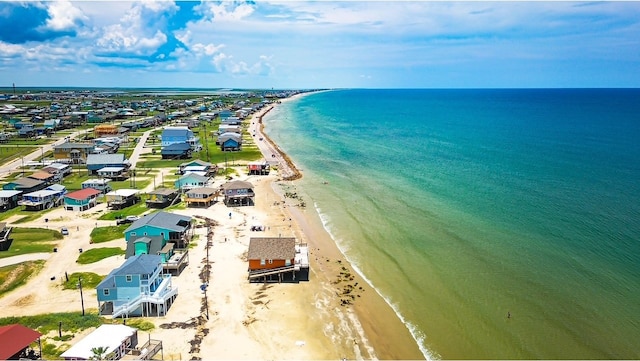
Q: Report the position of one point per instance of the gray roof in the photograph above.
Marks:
(155, 244)
(237, 184)
(70, 145)
(194, 176)
(27, 182)
(105, 159)
(201, 190)
(272, 248)
(164, 191)
(136, 265)
(171, 221)
(195, 162)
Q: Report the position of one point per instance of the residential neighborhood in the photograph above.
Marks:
(118, 202)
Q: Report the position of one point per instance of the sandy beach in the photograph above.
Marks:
(311, 320)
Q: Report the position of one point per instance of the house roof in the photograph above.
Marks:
(109, 336)
(164, 191)
(70, 145)
(27, 182)
(41, 175)
(83, 193)
(42, 193)
(136, 265)
(195, 162)
(202, 190)
(57, 188)
(96, 181)
(13, 338)
(111, 169)
(195, 168)
(176, 147)
(195, 176)
(171, 221)
(155, 245)
(123, 192)
(177, 132)
(7, 194)
(272, 248)
(56, 166)
(97, 159)
(226, 136)
(237, 184)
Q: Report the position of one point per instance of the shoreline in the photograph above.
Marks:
(394, 341)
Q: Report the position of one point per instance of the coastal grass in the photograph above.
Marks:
(11, 152)
(16, 275)
(68, 323)
(98, 254)
(106, 234)
(134, 210)
(73, 181)
(31, 240)
(131, 183)
(89, 280)
(32, 215)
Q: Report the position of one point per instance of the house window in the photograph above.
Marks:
(262, 261)
(133, 233)
(270, 261)
(105, 292)
(129, 278)
(287, 262)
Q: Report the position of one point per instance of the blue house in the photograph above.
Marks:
(230, 142)
(49, 197)
(171, 227)
(191, 180)
(136, 288)
(173, 135)
(95, 162)
(176, 151)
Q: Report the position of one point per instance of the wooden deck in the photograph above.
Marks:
(144, 352)
(177, 262)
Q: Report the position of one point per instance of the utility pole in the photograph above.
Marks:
(81, 297)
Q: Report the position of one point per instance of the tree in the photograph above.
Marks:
(99, 353)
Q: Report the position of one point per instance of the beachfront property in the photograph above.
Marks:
(176, 151)
(75, 153)
(191, 180)
(173, 227)
(201, 196)
(26, 185)
(100, 184)
(82, 199)
(173, 135)
(122, 198)
(117, 341)
(161, 197)
(113, 173)
(16, 341)
(271, 256)
(49, 197)
(60, 170)
(43, 176)
(238, 193)
(9, 199)
(136, 288)
(95, 162)
(259, 168)
(230, 142)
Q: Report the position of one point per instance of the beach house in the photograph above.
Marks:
(115, 339)
(122, 198)
(201, 196)
(136, 288)
(173, 227)
(81, 200)
(191, 180)
(161, 197)
(46, 177)
(75, 153)
(173, 135)
(230, 142)
(26, 185)
(49, 197)
(95, 162)
(276, 256)
(238, 193)
(100, 184)
(196, 165)
(16, 340)
(259, 168)
(60, 170)
(176, 151)
(9, 199)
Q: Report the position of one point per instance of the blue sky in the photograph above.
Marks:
(320, 44)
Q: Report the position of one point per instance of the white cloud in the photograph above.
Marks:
(63, 15)
(226, 11)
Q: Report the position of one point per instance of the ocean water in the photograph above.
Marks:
(465, 207)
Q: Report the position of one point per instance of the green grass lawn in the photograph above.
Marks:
(134, 210)
(14, 276)
(131, 183)
(73, 181)
(106, 234)
(11, 152)
(32, 240)
(98, 254)
(89, 280)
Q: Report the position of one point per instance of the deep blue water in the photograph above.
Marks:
(464, 206)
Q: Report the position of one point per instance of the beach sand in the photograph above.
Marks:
(333, 315)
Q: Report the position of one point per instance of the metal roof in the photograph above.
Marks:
(13, 338)
(171, 221)
(137, 265)
(105, 159)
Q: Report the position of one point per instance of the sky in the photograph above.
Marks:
(319, 44)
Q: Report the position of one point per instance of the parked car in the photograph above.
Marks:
(64, 231)
(127, 219)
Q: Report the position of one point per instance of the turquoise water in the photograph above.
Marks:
(464, 206)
